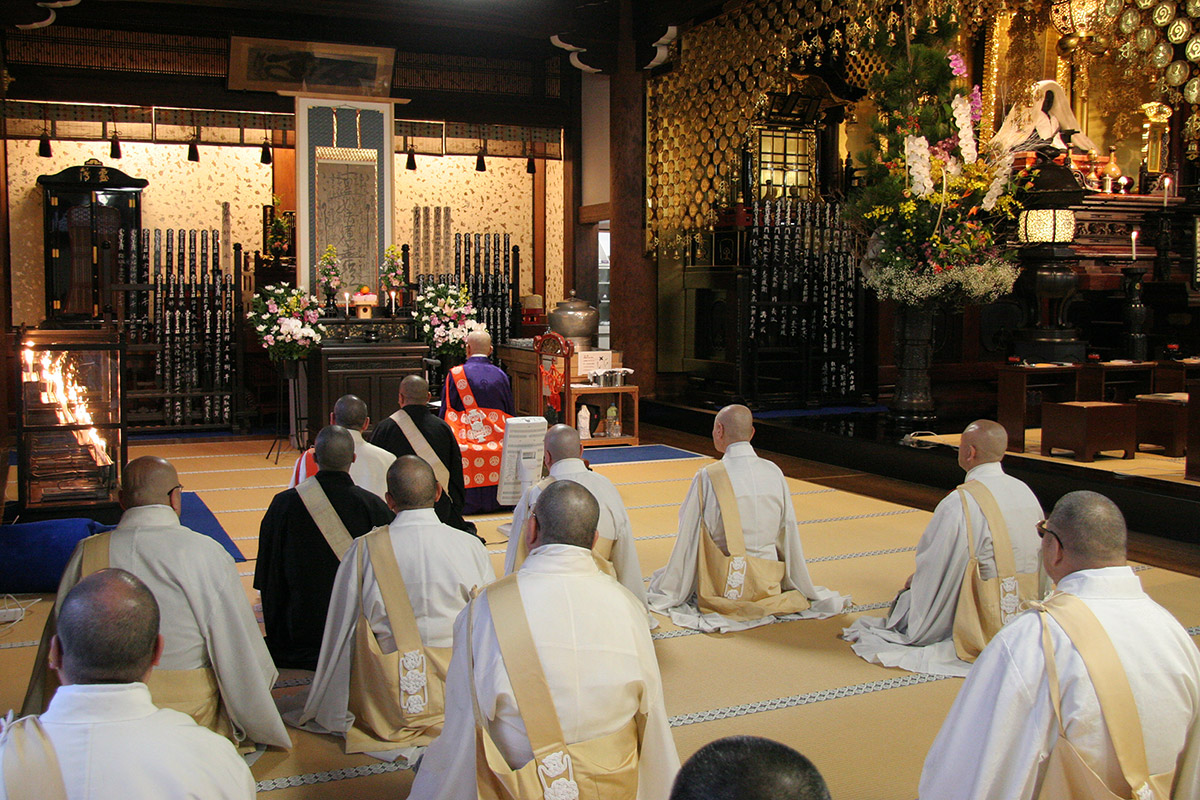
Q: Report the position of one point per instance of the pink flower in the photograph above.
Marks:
(268, 340)
(976, 104)
(271, 307)
(957, 65)
(311, 316)
(433, 320)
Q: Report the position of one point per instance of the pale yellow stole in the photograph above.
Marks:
(605, 768)
(738, 586)
(325, 516)
(422, 448)
(31, 768)
(194, 692)
(601, 550)
(985, 606)
(1067, 776)
(398, 699)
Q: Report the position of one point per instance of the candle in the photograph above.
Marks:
(347, 296)
(1166, 189)
(393, 297)
(1133, 234)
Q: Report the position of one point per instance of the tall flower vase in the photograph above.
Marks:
(912, 403)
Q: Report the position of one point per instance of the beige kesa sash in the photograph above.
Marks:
(985, 606)
(31, 768)
(422, 448)
(194, 692)
(398, 699)
(605, 768)
(325, 516)
(601, 550)
(738, 586)
(1067, 775)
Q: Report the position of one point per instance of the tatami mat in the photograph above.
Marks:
(866, 727)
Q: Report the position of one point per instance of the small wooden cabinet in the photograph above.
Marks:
(371, 370)
(624, 397)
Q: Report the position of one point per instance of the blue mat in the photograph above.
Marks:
(642, 452)
(831, 411)
(34, 554)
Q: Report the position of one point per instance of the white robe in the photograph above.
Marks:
(206, 620)
(1001, 727)
(768, 528)
(614, 522)
(918, 634)
(440, 567)
(368, 471)
(591, 638)
(112, 742)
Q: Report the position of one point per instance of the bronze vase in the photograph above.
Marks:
(912, 402)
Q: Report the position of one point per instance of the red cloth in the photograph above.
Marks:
(479, 432)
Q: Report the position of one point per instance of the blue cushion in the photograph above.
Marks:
(34, 554)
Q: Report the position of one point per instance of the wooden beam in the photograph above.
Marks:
(596, 212)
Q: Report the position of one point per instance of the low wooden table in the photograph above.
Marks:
(1021, 392)
(1162, 419)
(1087, 428)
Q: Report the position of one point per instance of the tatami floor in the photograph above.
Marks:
(866, 727)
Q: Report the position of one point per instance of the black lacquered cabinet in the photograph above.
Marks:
(88, 212)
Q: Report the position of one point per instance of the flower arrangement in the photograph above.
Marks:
(391, 271)
(329, 271)
(933, 206)
(445, 316)
(285, 320)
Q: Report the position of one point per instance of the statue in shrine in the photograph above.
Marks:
(1047, 126)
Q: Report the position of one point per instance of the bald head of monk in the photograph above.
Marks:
(334, 450)
(107, 631)
(151, 481)
(414, 391)
(733, 423)
(411, 484)
(479, 343)
(983, 442)
(350, 411)
(1085, 530)
(565, 513)
(562, 441)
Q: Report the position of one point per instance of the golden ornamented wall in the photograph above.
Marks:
(499, 200)
(181, 194)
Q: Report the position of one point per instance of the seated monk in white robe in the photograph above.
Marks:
(381, 673)
(935, 622)
(614, 532)
(102, 737)
(215, 665)
(596, 717)
(737, 561)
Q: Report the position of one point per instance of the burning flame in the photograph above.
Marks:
(61, 390)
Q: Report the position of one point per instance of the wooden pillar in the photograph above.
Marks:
(633, 283)
(539, 230)
(8, 365)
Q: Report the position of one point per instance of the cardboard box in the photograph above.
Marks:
(583, 363)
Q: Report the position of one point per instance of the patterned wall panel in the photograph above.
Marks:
(181, 194)
(499, 200)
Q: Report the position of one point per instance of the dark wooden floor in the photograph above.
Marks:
(1144, 548)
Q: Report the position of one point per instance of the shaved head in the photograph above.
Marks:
(562, 441)
(148, 481)
(734, 423)
(567, 513)
(479, 343)
(748, 768)
(411, 483)
(983, 442)
(107, 629)
(1091, 529)
(414, 390)
(350, 412)
(334, 450)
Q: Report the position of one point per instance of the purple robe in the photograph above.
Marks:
(492, 389)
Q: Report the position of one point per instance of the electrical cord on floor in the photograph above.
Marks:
(911, 440)
(14, 610)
